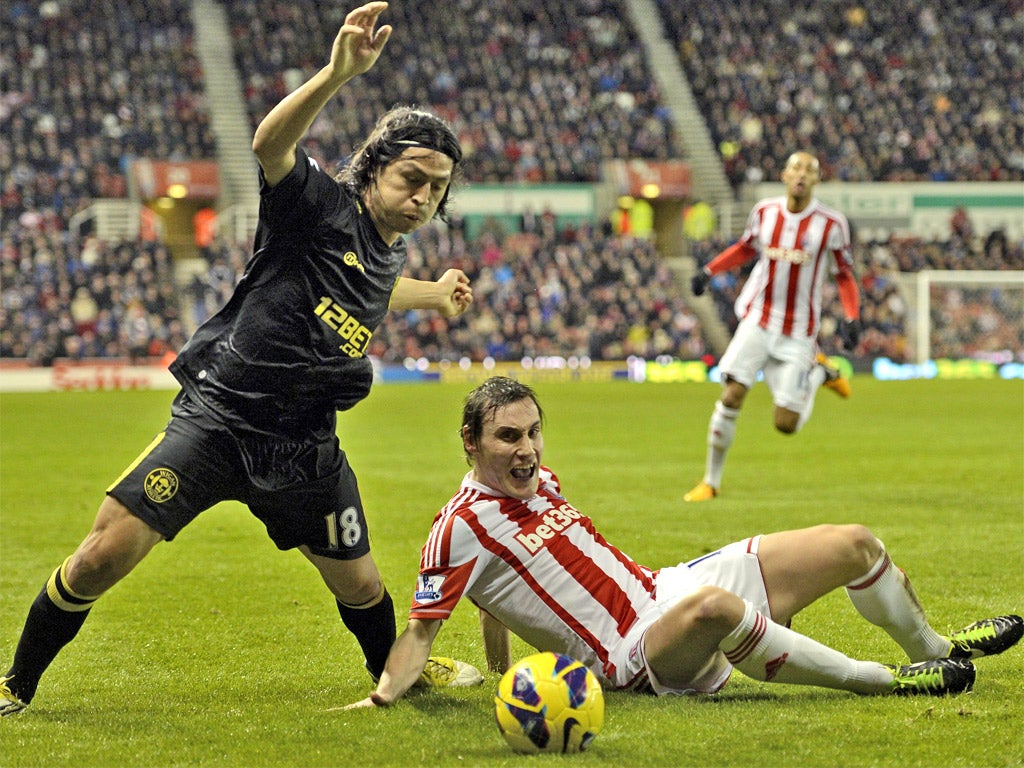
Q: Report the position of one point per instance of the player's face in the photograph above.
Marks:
(507, 457)
(801, 174)
(407, 191)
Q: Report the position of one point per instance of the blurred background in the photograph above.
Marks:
(612, 147)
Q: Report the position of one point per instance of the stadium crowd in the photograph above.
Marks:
(536, 91)
(75, 298)
(85, 87)
(576, 292)
(883, 91)
(573, 291)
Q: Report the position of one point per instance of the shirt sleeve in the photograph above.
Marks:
(439, 591)
(445, 578)
(735, 255)
(741, 251)
(302, 197)
(846, 281)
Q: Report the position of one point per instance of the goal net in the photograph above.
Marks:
(969, 315)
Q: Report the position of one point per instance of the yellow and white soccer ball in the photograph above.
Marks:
(547, 702)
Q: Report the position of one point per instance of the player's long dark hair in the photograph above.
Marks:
(395, 132)
(496, 392)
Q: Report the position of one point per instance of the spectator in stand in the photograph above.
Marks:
(886, 91)
(583, 295)
(961, 226)
(87, 87)
(58, 299)
(544, 92)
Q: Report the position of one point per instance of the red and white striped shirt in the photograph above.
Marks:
(794, 250)
(538, 566)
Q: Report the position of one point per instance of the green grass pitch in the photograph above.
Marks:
(221, 651)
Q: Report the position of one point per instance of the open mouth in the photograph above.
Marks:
(523, 473)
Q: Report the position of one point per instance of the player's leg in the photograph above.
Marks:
(722, 430)
(735, 608)
(181, 473)
(793, 379)
(803, 565)
(744, 357)
(831, 376)
(337, 543)
(886, 598)
(117, 542)
(770, 652)
(732, 610)
(680, 645)
(368, 612)
(324, 518)
(364, 603)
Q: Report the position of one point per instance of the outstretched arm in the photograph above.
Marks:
(356, 49)
(733, 256)
(406, 660)
(451, 295)
(849, 295)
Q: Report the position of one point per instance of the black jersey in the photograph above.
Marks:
(289, 347)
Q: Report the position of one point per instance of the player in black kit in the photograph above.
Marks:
(262, 380)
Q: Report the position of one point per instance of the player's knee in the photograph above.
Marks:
(92, 570)
(733, 394)
(711, 606)
(855, 545)
(363, 591)
(786, 421)
(865, 547)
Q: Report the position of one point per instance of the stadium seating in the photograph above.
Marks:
(882, 91)
(84, 298)
(538, 91)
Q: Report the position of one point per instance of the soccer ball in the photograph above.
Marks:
(548, 702)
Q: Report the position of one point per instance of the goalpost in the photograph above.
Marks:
(970, 314)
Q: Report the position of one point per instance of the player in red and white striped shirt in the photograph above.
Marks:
(533, 564)
(797, 241)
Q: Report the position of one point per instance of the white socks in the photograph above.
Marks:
(885, 597)
(764, 650)
(721, 431)
(816, 378)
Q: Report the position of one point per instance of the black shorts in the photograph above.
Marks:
(303, 492)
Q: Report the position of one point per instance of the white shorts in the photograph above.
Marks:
(785, 361)
(735, 568)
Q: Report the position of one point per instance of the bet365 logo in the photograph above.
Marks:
(545, 528)
(355, 335)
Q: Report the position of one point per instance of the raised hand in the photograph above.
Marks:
(357, 46)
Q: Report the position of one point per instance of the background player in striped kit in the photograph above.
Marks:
(796, 240)
(534, 564)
